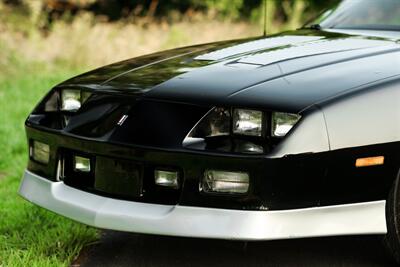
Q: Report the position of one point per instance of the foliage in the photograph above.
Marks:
(223, 9)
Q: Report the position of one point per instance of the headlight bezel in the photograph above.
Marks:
(233, 141)
(206, 119)
(66, 114)
(81, 96)
(53, 101)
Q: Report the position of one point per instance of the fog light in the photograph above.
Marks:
(225, 182)
(166, 178)
(81, 164)
(40, 152)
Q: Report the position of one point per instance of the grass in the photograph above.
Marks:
(29, 235)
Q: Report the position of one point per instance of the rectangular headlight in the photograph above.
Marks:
(225, 182)
(166, 178)
(72, 99)
(282, 123)
(247, 122)
(40, 152)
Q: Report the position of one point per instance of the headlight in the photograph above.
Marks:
(237, 130)
(229, 130)
(218, 123)
(247, 122)
(282, 123)
(72, 99)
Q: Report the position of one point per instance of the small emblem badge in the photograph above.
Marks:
(122, 120)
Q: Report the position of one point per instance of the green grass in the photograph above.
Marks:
(29, 235)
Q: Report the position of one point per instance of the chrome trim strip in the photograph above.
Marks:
(102, 212)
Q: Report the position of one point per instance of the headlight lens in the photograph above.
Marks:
(72, 99)
(282, 123)
(247, 122)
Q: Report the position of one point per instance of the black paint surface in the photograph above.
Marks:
(288, 77)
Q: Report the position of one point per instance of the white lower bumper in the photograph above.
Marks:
(107, 213)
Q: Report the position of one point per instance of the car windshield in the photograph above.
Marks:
(362, 14)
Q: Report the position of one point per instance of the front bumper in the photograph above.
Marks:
(176, 220)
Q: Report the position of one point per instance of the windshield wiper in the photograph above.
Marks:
(316, 27)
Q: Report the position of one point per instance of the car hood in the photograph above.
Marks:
(286, 72)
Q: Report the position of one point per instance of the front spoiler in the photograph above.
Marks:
(107, 213)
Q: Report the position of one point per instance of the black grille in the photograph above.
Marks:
(117, 178)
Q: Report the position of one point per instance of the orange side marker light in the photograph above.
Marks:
(372, 161)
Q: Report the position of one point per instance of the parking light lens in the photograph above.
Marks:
(282, 123)
(81, 164)
(166, 178)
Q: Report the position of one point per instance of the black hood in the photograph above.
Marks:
(287, 72)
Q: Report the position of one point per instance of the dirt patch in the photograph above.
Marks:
(3, 175)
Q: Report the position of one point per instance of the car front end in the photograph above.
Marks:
(257, 139)
(160, 167)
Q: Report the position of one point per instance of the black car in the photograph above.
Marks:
(287, 136)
